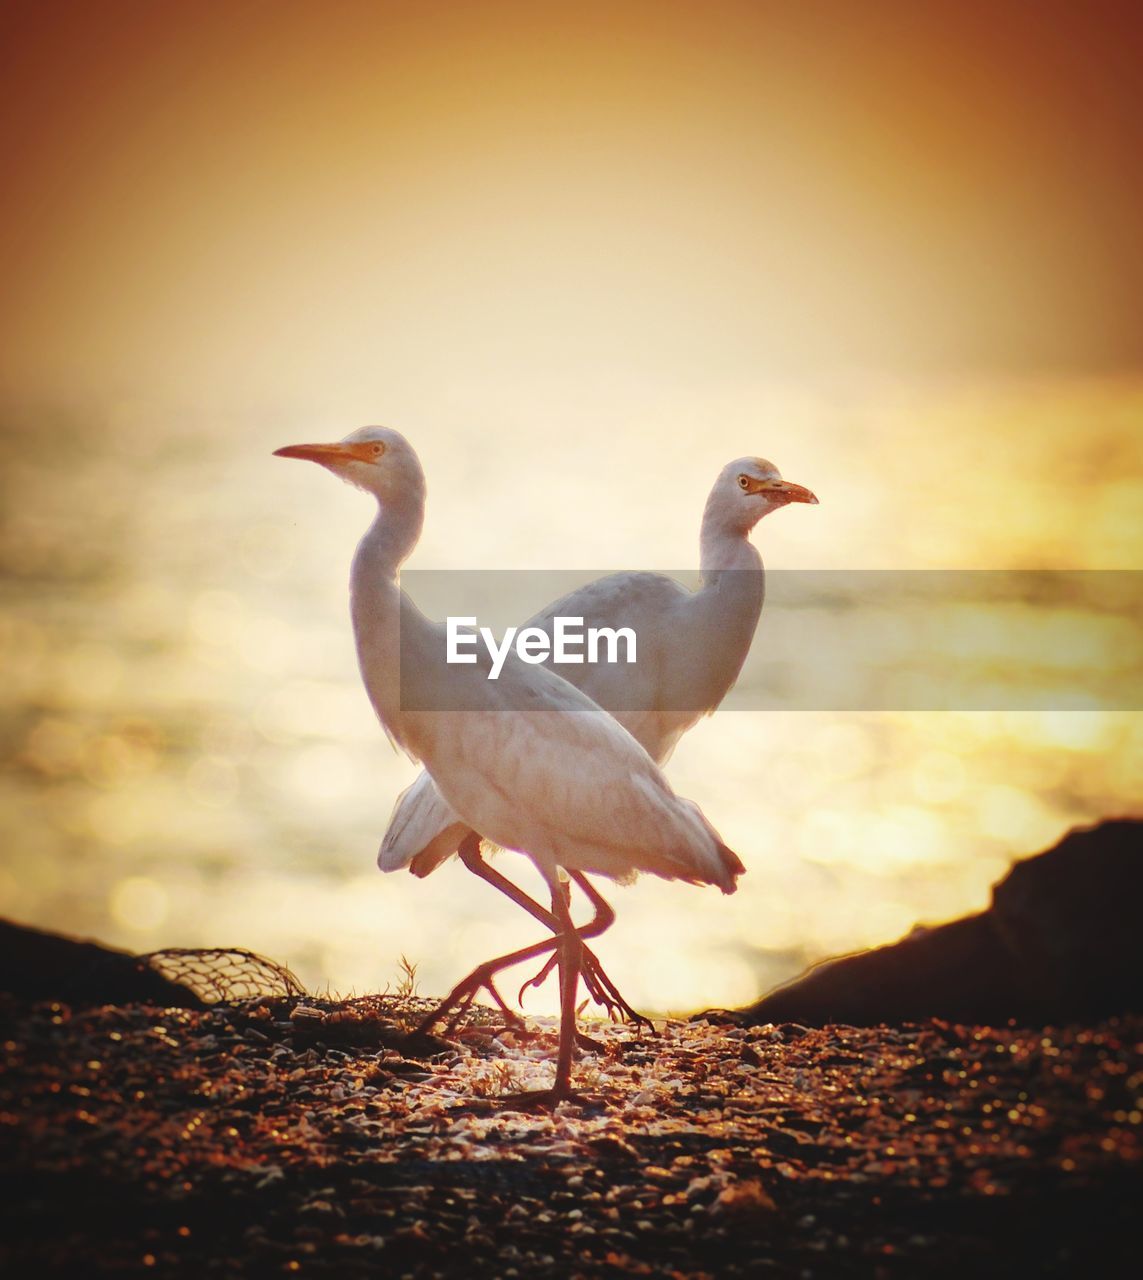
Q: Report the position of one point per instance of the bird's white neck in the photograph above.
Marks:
(723, 546)
(733, 583)
(723, 614)
(390, 539)
(375, 601)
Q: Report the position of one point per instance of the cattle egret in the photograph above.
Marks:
(692, 645)
(561, 781)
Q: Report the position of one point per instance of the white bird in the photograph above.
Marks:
(558, 779)
(691, 649)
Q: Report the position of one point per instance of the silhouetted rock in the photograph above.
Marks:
(1060, 943)
(35, 965)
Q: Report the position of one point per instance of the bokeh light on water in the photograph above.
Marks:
(189, 758)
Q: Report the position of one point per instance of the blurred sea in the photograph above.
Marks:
(189, 759)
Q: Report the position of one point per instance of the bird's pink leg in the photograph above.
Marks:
(561, 908)
(602, 990)
(599, 986)
(571, 957)
(462, 995)
(571, 948)
(612, 991)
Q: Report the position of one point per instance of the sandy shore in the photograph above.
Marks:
(299, 1137)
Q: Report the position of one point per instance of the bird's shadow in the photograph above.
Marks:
(533, 1101)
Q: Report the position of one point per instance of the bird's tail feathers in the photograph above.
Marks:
(725, 866)
(731, 865)
(423, 830)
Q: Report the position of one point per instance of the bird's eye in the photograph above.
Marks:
(378, 449)
(744, 482)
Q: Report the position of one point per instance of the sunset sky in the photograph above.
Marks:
(220, 202)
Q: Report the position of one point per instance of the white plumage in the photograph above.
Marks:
(691, 648)
(560, 780)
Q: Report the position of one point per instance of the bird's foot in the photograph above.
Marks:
(600, 988)
(538, 979)
(460, 1000)
(608, 996)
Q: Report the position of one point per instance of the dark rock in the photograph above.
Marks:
(1060, 943)
(35, 965)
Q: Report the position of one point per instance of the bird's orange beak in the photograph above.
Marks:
(787, 491)
(327, 454)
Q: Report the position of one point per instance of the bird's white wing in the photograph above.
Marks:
(544, 771)
(423, 830)
(644, 601)
(640, 695)
(638, 599)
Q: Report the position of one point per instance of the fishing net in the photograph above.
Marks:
(224, 974)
